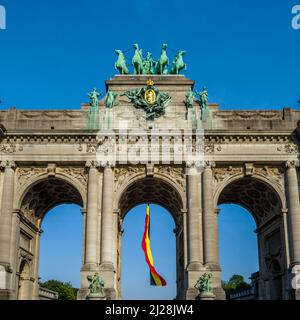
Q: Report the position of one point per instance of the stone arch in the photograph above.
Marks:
(265, 201)
(154, 189)
(160, 190)
(44, 193)
(240, 189)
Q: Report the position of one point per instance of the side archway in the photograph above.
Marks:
(37, 199)
(265, 203)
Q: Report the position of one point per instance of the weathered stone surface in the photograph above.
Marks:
(50, 157)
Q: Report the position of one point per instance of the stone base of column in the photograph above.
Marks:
(7, 295)
(86, 270)
(206, 296)
(192, 278)
(96, 296)
(82, 294)
(107, 272)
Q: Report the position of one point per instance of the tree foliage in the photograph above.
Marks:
(235, 284)
(64, 289)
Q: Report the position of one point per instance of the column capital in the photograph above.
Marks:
(190, 164)
(107, 164)
(292, 164)
(209, 164)
(284, 211)
(92, 164)
(7, 164)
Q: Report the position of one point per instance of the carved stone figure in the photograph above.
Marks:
(121, 63)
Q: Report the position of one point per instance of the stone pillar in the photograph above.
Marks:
(92, 218)
(294, 221)
(107, 218)
(193, 231)
(210, 230)
(293, 211)
(6, 225)
(194, 214)
(107, 233)
(210, 221)
(15, 243)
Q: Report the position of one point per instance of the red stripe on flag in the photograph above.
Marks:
(158, 280)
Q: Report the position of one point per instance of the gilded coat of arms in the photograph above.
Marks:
(150, 98)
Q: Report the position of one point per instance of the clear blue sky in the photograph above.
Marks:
(60, 256)
(54, 52)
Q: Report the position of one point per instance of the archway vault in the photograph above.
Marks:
(47, 193)
(259, 197)
(151, 190)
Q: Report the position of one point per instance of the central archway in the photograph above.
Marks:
(265, 204)
(159, 191)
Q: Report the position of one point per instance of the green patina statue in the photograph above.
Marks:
(204, 284)
(97, 284)
(161, 66)
(148, 64)
(149, 99)
(93, 112)
(137, 60)
(203, 102)
(121, 63)
(190, 97)
(178, 63)
(110, 99)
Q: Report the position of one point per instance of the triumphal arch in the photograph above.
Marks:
(151, 138)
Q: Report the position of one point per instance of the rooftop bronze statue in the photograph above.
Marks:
(161, 66)
(178, 63)
(137, 60)
(120, 65)
(148, 64)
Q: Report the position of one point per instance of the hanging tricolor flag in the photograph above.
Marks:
(156, 279)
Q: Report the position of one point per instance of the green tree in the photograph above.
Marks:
(64, 289)
(235, 284)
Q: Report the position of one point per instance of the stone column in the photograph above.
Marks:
(108, 235)
(6, 214)
(210, 221)
(293, 211)
(14, 248)
(83, 212)
(92, 217)
(194, 213)
(107, 243)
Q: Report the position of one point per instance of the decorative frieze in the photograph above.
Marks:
(123, 173)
